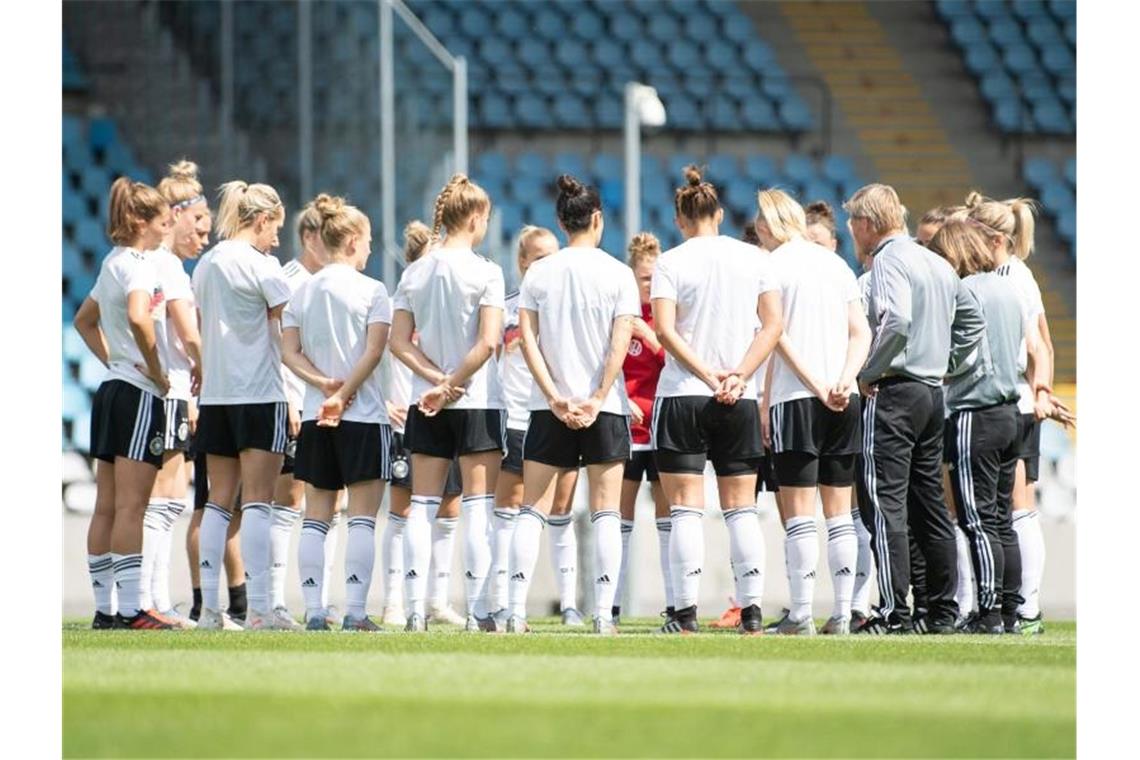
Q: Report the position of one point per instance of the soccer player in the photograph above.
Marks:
(119, 321)
(814, 427)
(642, 369)
(454, 298)
(534, 243)
(183, 354)
(575, 312)
(716, 310)
(335, 330)
(933, 220)
(242, 419)
(820, 218)
(924, 323)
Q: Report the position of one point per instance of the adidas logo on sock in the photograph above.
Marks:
(96, 584)
(118, 584)
(603, 579)
(752, 573)
(810, 575)
(309, 583)
(353, 579)
(518, 577)
(412, 574)
(843, 572)
(468, 575)
(693, 573)
(247, 575)
(860, 575)
(205, 564)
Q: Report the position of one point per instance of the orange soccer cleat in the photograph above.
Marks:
(730, 618)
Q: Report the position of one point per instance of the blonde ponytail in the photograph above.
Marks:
(1023, 226)
(239, 204)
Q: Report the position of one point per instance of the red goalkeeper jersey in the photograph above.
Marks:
(641, 368)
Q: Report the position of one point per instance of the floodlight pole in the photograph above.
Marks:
(305, 98)
(632, 162)
(387, 147)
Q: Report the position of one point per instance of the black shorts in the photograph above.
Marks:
(641, 464)
(128, 422)
(331, 458)
(798, 469)
(549, 441)
(807, 426)
(687, 430)
(290, 463)
(513, 461)
(176, 434)
(1029, 445)
(201, 478)
(401, 469)
(766, 475)
(226, 430)
(454, 432)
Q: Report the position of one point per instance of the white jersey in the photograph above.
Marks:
(514, 373)
(332, 312)
(1032, 307)
(864, 283)
(716, 282)
(236, 285)
(176, 287)
(124, 271)
(444, 291)
(816, 288)
(396, 380)
(578, 293)
(295, 275)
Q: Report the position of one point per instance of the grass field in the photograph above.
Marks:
(563, 693)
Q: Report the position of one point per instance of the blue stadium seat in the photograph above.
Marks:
(683, 54)
(1029, 10)
(494, 110)
(1011, 116)
(1063, 9)
(91, 371)
(1006, 32)
(76, 403)
(495, 51)
(741, 86)
(757, 114)
(587, 81)
(1071, 32)
(532, 111)
(759, 57)
(609, 112)
(699, 26)
(820, 190)
(73, 138)
(723, 167)
(549, 23)
(1057, 195)
(607, 165)
(980, 58)
(531, 164)
(474, 21)
(723, 58)
(1044, 33)
(647, 54)
(1035, 85)
(608, 52)
(838, 169)
(572, 112)
(73, 345)
(512, 217)
(739, 30)
(724, 113)
(511, 81)
(625, 26)
(101, 133)
(997, 86)
(991, 10)
(511, 23)
(799, 168)
(1071, 171)
(1058, 61)
(571, 52)
(587, 24)
(1038, 171)
(569, 163)
(953, 9)
(684, 113)
(1067, 89)
(89, 236)
(967, 30)
(534, 52)
(1067, 224)
(1052, 117)
(795, 115)
(760, 169)
(1019, 58)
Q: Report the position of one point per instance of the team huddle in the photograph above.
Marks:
(907, 401)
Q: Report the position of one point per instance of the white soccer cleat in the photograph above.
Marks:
(516, 624)
(214, 620)
(179, 620)
(283, 621)
(394, 616)
(445, 614)
(255, 621)
(604, 627)
(415, 624)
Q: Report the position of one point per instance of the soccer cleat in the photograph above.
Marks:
(283, 621)
(836, 626)
(179, 621)
(144, 620)
(415, 624)
(683, 621)
(500, 616)
(477, 624)
(858, 620)
(255, 621)
(988, 624)
(445, 614)
(318, 623)
(394, 616)
(785, 626)
(364, 624)
(102, 621)
(604, 627)
(214, 620)
(730, 618)
(573, 618)
(751, 621)
(615, 614)
(516, 624)
(1033, 626)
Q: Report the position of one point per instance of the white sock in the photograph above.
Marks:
(211, 548)
(801, 546)
(311, 565)
(442, 552)
(564, 558)
(417, 553)
(127, 569)
(154, 520)
(332, 540)
(861, 595)
(524, 556)
(256, 519)
(1027, 525)
(280, 537)
(746, 547)
(502, 528)
(393, 560)
(686, 554)
(160, 581)
(966, 595)
(359, 559)
(842, 559)
(99, 567)
(664, 531)
(620, 592)
(607, 560)
(476, 552)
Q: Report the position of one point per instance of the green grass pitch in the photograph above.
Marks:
(562, 693)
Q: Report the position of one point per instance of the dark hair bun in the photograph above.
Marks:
(693, 175)
(569, 185)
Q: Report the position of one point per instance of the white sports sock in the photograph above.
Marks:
(442, 553)
(99, 567)
(842, 559)
(524, 556)
(311, 565)
(564, 559)
(127, 569)
(417, 553)
(801, 546)
(332, 540)
(160, 581)
(154, 520)
(966, 595)
(621, 591)
(256, 518)
(664, 531)
(359, 559)
(746, 547)
(280, 537)
(861, 595)
(607, 560)
(502, 528)
(476, 552)
(686, 554)
(1027, 525)
(393, 560)
(211, 548)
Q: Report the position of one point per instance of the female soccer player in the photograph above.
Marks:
(820, 218)
(454, 298)
(534, 243)
(642, 369)
(335, 330)
(575, 312)
(119, 321)
(716, 310)
(190, 215)
(242, 422)
(815, 426)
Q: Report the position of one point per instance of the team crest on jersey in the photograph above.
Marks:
(183, 431)
(635, 348)
(156, 446)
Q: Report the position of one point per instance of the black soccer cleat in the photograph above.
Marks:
(880, 626)
(102, 621)
(683, 621)
(751, 621)
(145, 620)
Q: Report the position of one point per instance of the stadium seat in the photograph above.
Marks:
(1039, 170)
(759, 57)
(1057, 195)
(533, 52)
(1019, 58)
(739, 30)
(101, 133)
(1071, 171)
(1044, 33)
(608, 52)
(953, 9)
(587, 24)
(494, 110)
(724, 113)
(1006, 32)
(1011, 116)
(571, 111)
(91, 371)
(838, 169)
(1052, 117)
(1029, 10)
(991, 10)
(795, 115)
(967, 30)
(511, 23)
(625, 26)
(981, 58)
(683, 54)
(1063, 9)
(761, 169)
(549, 23)
(723, 167)
(723, 58)
(1058, 60)
(76, 402)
